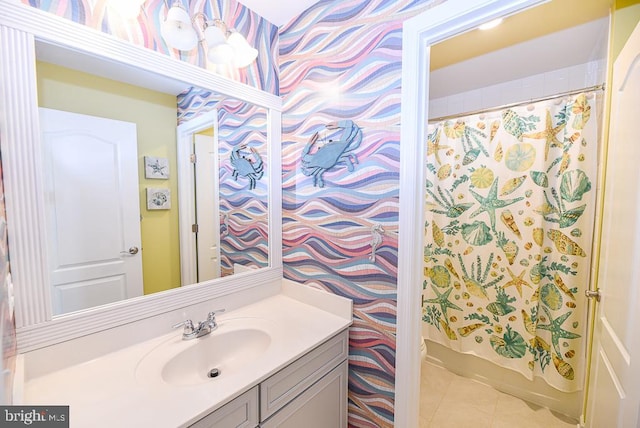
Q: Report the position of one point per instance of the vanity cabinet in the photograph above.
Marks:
(241, 412)
(312, 389)
(323, 405)
(310, 392)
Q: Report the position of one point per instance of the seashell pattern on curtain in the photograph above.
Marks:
(510, 202)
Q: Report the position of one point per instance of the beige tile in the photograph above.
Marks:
(470, 394)
(433, 385)
(430, 400)
(424, 422)
(510, 405)
(520, 421)
(451, 401)
(452, 414)
(512, 411)
(556, 420)
(539, 421)
(434, 377)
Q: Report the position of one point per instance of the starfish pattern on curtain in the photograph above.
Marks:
(509, 224)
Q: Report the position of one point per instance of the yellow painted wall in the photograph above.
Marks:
(536, 22)
(155, 115)
(625, 18)
(208, 132)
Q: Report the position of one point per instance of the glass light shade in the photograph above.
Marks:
(237, 40)
(128, 9)
(214, 35)
(244, 57)
(221, 53)
(177, 30)
(218, 50)
(244, 53)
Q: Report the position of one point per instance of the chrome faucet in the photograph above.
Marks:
(202, 329)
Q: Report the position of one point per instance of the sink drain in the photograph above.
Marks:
(213, 373)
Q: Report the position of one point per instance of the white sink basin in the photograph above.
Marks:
(229, 349)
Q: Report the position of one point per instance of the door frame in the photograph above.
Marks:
(595, 356)
(186, 191)
(419, 33)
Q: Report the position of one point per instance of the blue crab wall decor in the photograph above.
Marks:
(336, 151)
(249, 166)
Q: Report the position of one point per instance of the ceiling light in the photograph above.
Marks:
(491, 24)
(223, 45)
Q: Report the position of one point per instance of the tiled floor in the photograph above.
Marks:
(451, 401)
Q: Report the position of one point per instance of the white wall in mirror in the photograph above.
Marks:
(21, 26)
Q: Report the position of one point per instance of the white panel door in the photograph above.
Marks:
(614, 394)
(93, 209)
(207, 213)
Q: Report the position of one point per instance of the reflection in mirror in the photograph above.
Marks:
(112, 187)
(243, 185)
(239, 138)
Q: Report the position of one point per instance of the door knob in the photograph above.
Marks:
(593, 294)
(132, 251)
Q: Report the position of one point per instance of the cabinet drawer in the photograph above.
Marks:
(241, 412)
(291, 381)
(323, 405)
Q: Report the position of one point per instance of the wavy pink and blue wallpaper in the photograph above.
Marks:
(145, 31)
(340, 61)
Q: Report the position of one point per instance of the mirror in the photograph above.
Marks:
(24, 175)
(134, 213)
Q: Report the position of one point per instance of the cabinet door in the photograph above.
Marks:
(288, 383)
(323, 405)
(241, 412)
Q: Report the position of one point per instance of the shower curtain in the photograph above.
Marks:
(510, 199)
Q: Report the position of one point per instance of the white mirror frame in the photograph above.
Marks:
(20, 27)
(419, 33)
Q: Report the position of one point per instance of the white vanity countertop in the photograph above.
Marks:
(108, 391)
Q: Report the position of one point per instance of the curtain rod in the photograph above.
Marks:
(533, 100)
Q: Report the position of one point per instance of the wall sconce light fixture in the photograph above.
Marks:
(224, 45)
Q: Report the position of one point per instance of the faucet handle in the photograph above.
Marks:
(188, 327)
(211, 318)
(212, 314)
